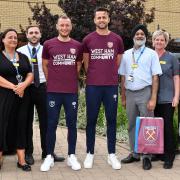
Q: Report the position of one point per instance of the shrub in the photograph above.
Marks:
(101, 121)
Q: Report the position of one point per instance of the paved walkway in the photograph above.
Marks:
(100, 171)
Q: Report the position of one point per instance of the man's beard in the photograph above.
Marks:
(104, 27)
(139, 42)
(32, 42)
(64, 35)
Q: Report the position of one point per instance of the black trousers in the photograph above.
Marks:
(166, 111)
(179, 123)
(37, 99)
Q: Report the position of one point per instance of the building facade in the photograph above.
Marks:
(167, 16)
(16, 12)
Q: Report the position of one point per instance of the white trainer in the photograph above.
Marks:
(88, 162)
(47, 164)
(113, 161)
(73, 162)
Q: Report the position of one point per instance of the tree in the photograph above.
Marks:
(125, 14)
(45, 19)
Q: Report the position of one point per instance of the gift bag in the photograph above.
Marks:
(149, 135)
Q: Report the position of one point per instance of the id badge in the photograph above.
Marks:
(134, 66)
(33, 60)
(162, 62)
(130, 78)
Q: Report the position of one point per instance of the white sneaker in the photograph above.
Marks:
(73, 162)
(113, 161)
(88, 162)
(48, 163)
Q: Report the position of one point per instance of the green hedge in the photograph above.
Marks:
(101, 122)
(122, 122)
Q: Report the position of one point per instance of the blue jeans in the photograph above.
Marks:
(95, 95)
(54, 103)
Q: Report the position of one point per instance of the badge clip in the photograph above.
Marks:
(33, 60)
(134, 66)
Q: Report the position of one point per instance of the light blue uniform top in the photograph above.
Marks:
(148, 65)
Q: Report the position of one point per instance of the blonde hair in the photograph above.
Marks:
(159, 33)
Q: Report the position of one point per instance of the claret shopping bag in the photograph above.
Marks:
(149, 135)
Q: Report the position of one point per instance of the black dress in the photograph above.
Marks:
(13, 109)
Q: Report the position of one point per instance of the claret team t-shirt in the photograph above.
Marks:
(62, 65)
(103, 51)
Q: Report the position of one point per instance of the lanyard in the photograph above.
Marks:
(33, 56)
(136, 61)
(14, 61)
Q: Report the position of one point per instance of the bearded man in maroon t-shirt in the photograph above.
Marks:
(62, 57)
(102, 54)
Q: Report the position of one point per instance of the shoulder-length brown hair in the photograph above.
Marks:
(3, 35)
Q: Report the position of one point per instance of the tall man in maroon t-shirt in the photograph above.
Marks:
(102, 54)
(62, 57)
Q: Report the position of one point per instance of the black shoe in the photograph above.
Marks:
(130, 159)
(57, 158)
(24, 167)
(29, 159)
(147, 164)
(168, 165)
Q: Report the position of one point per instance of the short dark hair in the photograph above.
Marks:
(63, 17)
(101, 9)
(3, 35)
(31, 26)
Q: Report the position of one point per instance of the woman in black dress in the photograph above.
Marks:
(15, 77)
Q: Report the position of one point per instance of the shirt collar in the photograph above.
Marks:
(139, 50)
(33, 46)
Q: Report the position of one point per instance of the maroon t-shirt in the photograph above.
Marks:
(62, 65)
(103, 51)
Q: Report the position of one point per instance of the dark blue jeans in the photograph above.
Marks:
(95, 95)
(54, 103)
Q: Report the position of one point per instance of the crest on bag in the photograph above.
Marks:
(110, 44)
(150, 134)
(72, 50)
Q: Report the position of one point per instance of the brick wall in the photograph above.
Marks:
(167, 15)
(16, 12)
